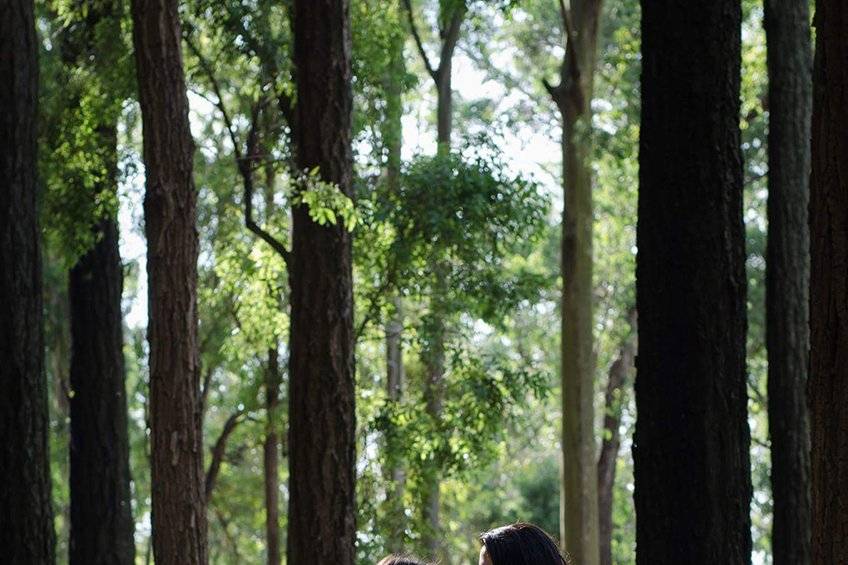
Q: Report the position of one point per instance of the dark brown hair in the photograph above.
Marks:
(521, 544)
(400, 560)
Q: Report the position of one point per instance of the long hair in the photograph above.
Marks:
(521, 544)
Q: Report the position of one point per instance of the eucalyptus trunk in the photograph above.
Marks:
(271, 457)
(828, 387)
(392, 134)
(787, 274)
(26, 513)
(691, 444)
(170, 210)
(614, 399)
(573, 97)
(322, 441)
(101, 506)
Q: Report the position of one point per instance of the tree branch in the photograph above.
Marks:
(246, 170)
(420, 44)
(219, 449)
(244, 162)
(568, 29)
(450, 36)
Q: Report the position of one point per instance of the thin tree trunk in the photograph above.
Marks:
(613, 402)
(573, 96)
(392, 135)
(271, 457)
(170, 209)
(787, 275)
(828, 387)
(26, 514)
(451, 18)
(321, 520)
(692, 467)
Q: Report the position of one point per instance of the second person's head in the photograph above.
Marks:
(519, 544)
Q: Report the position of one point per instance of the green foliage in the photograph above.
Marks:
(466, 213)
(87, 76)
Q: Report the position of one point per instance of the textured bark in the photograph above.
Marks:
(321, 520)
(787, 25)
(170, 202)
(101, 523)
(26, 515)
(573, 95)
(101, 507)
(613, 402)
(828, 387)
(692, 466)
(271, 458)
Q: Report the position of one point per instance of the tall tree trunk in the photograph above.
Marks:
(787, 275)
(170, 210)
(271, 459)
(321, 526)
(451, 17)
(828, 386)
(392, 135)
(101, 523)
(26, 514)
(573, 96)
(692, 467)
(613, 402)
(101, 511)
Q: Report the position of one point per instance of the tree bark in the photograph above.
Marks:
(101, 523)
(271, 457)
(321, 521)
(573, 96)
(101, 506)
(787, 275)
(613, 402)
(170, 209)
(828, 387)
(392, 137)
(692, 466)
(26, 514)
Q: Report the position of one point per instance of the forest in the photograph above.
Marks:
(318, 281)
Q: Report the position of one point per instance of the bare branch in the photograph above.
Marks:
(219, 449)
(244, 162)
(204, 391)
(216, 88)
(570, 69)
(420, 44)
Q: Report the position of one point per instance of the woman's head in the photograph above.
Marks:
(519, 544)
(400, 560)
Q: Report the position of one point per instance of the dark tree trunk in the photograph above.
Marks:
(101, 524)
(101, 512)
(829, 286)
(692, 466)
(613, 402)
(170, 202)
(321, 520)
(271, 458)
(787, 275)
(26, 514)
